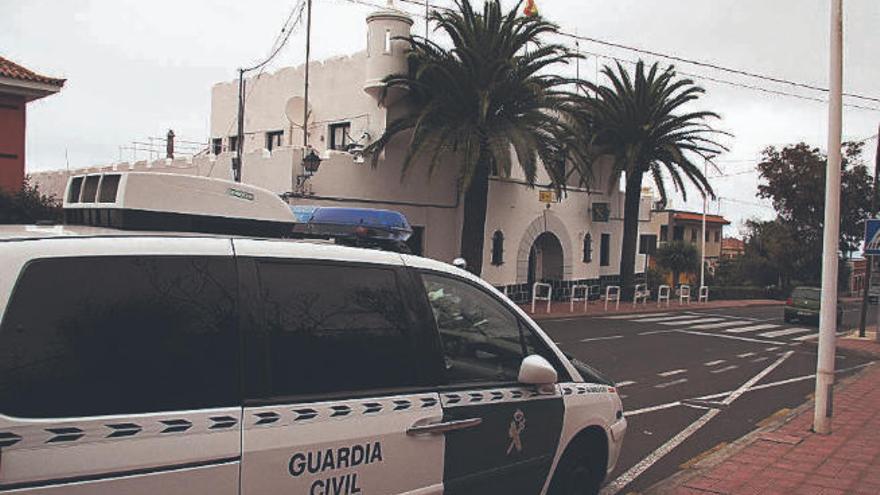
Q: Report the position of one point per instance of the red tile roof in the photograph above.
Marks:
(698, 217)
(732, 243)
(14, 71)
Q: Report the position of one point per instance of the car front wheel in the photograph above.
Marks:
(580, 471)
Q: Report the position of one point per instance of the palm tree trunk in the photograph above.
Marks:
(473, 226)
(630, 233)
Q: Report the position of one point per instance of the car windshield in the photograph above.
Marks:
(810, 293)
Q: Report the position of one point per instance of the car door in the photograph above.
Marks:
(334, 383)
(515, 428)
(119, 369)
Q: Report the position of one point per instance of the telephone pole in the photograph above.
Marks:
(831, 235)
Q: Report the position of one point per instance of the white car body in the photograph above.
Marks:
(334, 444)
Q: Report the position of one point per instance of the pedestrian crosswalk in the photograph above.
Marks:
(724, 325)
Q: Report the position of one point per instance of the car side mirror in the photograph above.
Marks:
(535, 370)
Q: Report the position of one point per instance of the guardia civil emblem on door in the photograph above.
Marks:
(517, 425)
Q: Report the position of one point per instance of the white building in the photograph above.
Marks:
(573, 239)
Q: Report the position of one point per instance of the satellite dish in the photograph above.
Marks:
(293, 110)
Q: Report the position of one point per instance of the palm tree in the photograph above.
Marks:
(642, 126)
(491, 93)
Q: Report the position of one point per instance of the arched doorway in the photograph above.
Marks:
(545, 259)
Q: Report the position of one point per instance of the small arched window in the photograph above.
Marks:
(588, 248)
(497, 248)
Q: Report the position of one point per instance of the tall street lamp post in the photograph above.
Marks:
(831, 238)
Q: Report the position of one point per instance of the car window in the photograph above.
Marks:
(807, 293)
(332, 328)
(482, 340)
(119, 335)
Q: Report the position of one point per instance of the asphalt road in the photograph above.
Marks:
(658, 361)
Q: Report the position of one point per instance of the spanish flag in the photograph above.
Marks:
(531, 9)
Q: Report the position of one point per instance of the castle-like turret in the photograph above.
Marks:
(385, 54)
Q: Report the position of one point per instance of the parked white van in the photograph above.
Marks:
(185, 363)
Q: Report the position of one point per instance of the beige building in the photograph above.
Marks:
(687, 226)
(530, 234)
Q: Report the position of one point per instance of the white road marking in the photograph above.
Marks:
(730, 316)
(689, 322)
(752, 328)
(783, 332)
(634, 316)
(668, 405)
(672, 372)
(724, 369)
(666, 318)
(745, 355)
(624, 383)
(603, 338)
(713, 326)
(713, 363)
(634, 472)
(771, 349)
(807, 337)
(759, 359)
(656, 332)
(670, 384)
(734, 337)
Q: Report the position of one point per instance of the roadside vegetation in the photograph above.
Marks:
(28, 205)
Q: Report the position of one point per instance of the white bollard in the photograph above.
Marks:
(684, 294)
(640, 292)
(663, 293)
(536, 297)
(574, 298)
(612, 290)
(704, 294)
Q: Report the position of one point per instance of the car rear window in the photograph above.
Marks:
(119, 335)
(807, 293)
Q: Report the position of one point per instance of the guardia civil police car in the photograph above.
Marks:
(147, 362)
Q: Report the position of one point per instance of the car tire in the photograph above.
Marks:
(580, 471)
(786, 318)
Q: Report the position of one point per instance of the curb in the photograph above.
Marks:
(671, 483)
(814, 345)
(629, 311)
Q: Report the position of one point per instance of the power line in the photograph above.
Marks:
(749, 203)
(714, 66)
(693, 62)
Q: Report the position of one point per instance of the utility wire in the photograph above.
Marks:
(710, 65)
(577, 37)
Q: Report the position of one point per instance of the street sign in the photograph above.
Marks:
(872, 237)
(547, 196)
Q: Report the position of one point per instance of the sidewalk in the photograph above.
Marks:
(787, 458)
(562, 309)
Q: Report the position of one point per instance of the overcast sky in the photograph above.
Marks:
(136, 69)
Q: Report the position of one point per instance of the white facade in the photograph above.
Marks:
(345, 108)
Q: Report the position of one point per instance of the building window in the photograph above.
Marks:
(601, 212)
(647, 244)
(677, 233)
(498, 248)
(388, 42)
(588, 248)
(416, 241)
(717, 236)
(693, 235)
(273, 139)
(605, 250)
(217, 146)
(233, 143)
(340, 136)
(664, 233)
